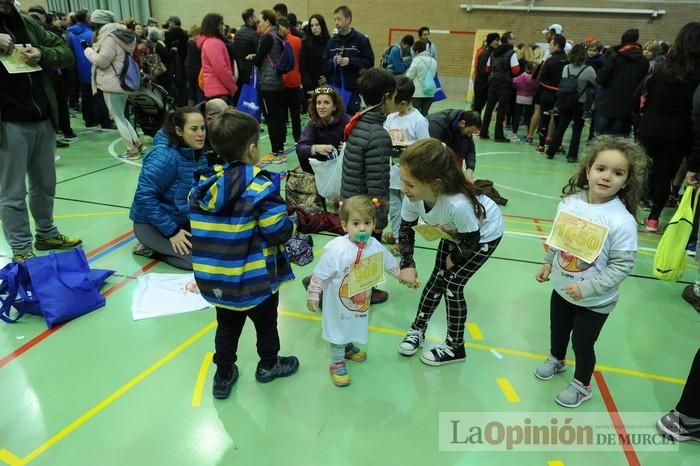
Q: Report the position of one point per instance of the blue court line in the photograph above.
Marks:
(111, 248)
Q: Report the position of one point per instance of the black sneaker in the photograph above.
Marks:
(285, 366)
(223, 383)
(443, 354)
(672, 425)
(501, 139)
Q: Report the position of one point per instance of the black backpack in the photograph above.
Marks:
(568, 95)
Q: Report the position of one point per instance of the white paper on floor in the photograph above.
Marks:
(165, 294)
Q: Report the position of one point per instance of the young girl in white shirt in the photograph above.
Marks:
(605, 191)
(345, 318)
(437, 192)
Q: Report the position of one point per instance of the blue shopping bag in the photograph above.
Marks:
(439, 93)
(248, 100)
(342, 92)
(59, 286)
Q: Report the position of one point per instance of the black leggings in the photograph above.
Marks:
(689, 404)
(582, 326)
(666, 155)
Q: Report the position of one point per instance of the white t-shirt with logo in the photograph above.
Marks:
(404, 131)
(622, 236)
(345, 319)
(454, 212)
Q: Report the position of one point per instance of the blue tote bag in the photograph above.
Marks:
(342, 92)
(439, 93)
(248, 101)
(60, 287)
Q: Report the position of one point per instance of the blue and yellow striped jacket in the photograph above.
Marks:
(239, 228)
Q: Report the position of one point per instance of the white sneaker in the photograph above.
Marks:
(411, 342)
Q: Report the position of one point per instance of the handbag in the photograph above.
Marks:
(300, 192)
(58, 286)
(670, 256)
(439, 93)
(342, 92)
(248, 101)
(329, 174)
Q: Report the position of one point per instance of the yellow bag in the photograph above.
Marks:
(669, 260)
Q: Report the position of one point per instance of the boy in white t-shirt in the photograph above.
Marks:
(405, 125)
(345, 317)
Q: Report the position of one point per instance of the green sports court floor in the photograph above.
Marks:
(106, 390)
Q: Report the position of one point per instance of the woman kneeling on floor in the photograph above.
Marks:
(160, 212)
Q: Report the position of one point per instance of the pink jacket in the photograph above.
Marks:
(216, 67)
(524, 85)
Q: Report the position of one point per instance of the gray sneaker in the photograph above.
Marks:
(411, 342)
(574, 395)
(672, 425)
(550, 367)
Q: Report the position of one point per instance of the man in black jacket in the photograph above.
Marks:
(245, 46)
(549, 77)
(618, 78)
(176, 41)
(455, 128)
(502, 65)
(27, 137)
(481, 76)
(347, 53)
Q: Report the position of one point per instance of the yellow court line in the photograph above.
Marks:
(116, 395)
(474, 331)
(501, 350)
(93, 214)
(201, 376)
(508, 390)
(555, 463)
(10, 459)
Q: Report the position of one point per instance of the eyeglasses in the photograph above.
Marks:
(324, 90)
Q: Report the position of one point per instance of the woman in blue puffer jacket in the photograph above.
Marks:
(160, 211)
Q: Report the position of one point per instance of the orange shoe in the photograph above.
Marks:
(339, 374)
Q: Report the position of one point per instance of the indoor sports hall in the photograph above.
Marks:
(107, 390)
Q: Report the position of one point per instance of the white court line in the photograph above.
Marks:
(527, 192)
(112, 152)
(516, 189)
(543, 237)
(493, 153)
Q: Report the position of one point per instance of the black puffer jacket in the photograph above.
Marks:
(366, 162)
(618, 78)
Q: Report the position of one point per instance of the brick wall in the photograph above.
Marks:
(375, 18)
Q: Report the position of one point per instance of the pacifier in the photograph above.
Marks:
(362, 237)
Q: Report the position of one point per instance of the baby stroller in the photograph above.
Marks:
(150, 104)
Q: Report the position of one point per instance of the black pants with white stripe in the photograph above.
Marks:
(450, 284)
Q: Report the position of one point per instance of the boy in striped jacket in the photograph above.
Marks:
(239, 228)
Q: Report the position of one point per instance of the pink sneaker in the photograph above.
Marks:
(651, 224)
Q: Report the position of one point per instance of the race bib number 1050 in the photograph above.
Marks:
(577, 236)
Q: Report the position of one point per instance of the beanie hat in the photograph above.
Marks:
(102, 17)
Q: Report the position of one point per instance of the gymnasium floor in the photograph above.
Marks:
(107, 390)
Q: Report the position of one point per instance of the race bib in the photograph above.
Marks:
(579, 237)
(431, 233)
(367, 274)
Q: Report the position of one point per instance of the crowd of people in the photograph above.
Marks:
(404, 170)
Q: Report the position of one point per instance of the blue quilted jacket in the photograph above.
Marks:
(164, 183)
